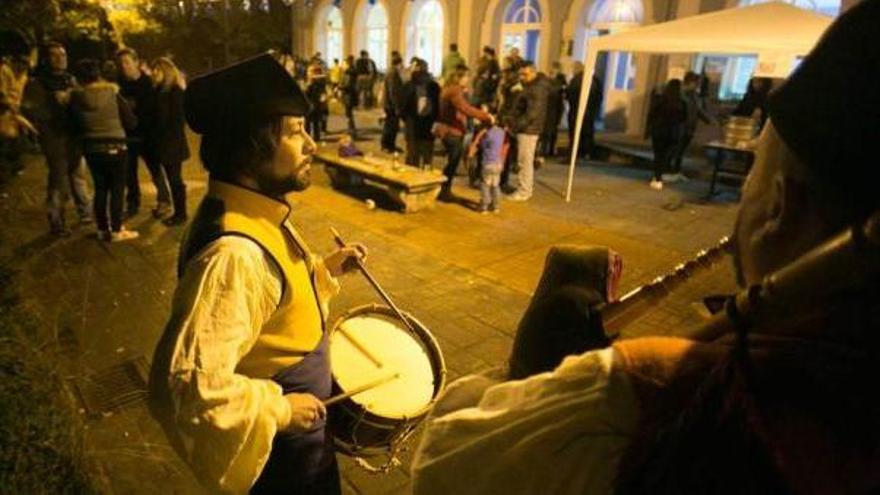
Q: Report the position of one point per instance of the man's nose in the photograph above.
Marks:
(309, 145)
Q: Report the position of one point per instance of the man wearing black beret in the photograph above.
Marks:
(788, 406)
(242, 367)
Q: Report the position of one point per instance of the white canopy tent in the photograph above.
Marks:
(776, 32)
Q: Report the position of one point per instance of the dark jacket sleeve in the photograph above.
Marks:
(533, 108)
(126, 114)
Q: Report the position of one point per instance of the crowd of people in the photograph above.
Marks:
(454, 108)
(107, 115)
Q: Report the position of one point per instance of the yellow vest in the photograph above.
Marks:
(296, 326)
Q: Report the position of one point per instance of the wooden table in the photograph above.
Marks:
(411, 188)
(723, 151)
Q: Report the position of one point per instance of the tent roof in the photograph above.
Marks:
(773, 27)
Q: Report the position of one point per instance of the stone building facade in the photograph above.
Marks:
(545, 31)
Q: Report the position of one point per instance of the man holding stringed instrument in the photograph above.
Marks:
(775, 394)
(240, 373)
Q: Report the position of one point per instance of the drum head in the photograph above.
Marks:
(369, 346)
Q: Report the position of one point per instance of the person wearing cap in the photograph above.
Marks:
(763, 411)
(241, 370)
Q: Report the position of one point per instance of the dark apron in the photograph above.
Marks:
(303, 463)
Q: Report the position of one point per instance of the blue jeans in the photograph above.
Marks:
(67, 177)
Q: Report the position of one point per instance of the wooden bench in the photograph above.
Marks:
(413, 189)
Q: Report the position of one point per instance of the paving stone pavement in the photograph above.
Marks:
(467, 277)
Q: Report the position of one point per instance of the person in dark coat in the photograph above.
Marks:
(529, 122)
(47, 97)
(421, 105)
(137, 89)
(393, 88)
(349, 91)
(666, 121)
(555, 108)
(166, 140)
(316, 91)
(366, 71)
(594, 105)
(488, 78)
(754, 102)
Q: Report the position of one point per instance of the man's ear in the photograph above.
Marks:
(787, 208)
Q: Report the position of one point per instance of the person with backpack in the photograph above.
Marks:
(421, 101)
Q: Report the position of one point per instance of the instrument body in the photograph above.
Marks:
(370, 342)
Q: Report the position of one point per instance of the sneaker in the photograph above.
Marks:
(161, 210)
(672, 177)
(123, 235)
(483, 211)
(174, 220)
(103, 235)
(518, 197)
(657, 185)
(86, 220)
(495, 211)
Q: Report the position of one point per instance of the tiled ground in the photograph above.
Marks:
(467, 277)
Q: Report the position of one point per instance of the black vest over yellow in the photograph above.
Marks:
(296, 326)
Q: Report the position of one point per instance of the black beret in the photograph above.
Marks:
(242, 93)
(828, 110)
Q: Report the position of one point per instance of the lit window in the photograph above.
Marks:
(334, 34)
(377, 35)
(429, 34)
(618, 12)
(522, 28)
(523, 12)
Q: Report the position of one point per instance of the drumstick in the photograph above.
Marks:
(363, 388)
(374, 283)
(360, 346)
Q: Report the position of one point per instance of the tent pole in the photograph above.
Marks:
(589, 69)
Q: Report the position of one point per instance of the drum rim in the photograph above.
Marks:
(419, 328)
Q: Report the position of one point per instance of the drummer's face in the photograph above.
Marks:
(290, 169)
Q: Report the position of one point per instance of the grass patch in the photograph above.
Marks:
(42, 433)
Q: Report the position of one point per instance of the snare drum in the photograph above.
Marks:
(368, 344)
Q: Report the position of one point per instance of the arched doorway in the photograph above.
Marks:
(425, 33)
(371, 32)
(329, 33)
(522, 28)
